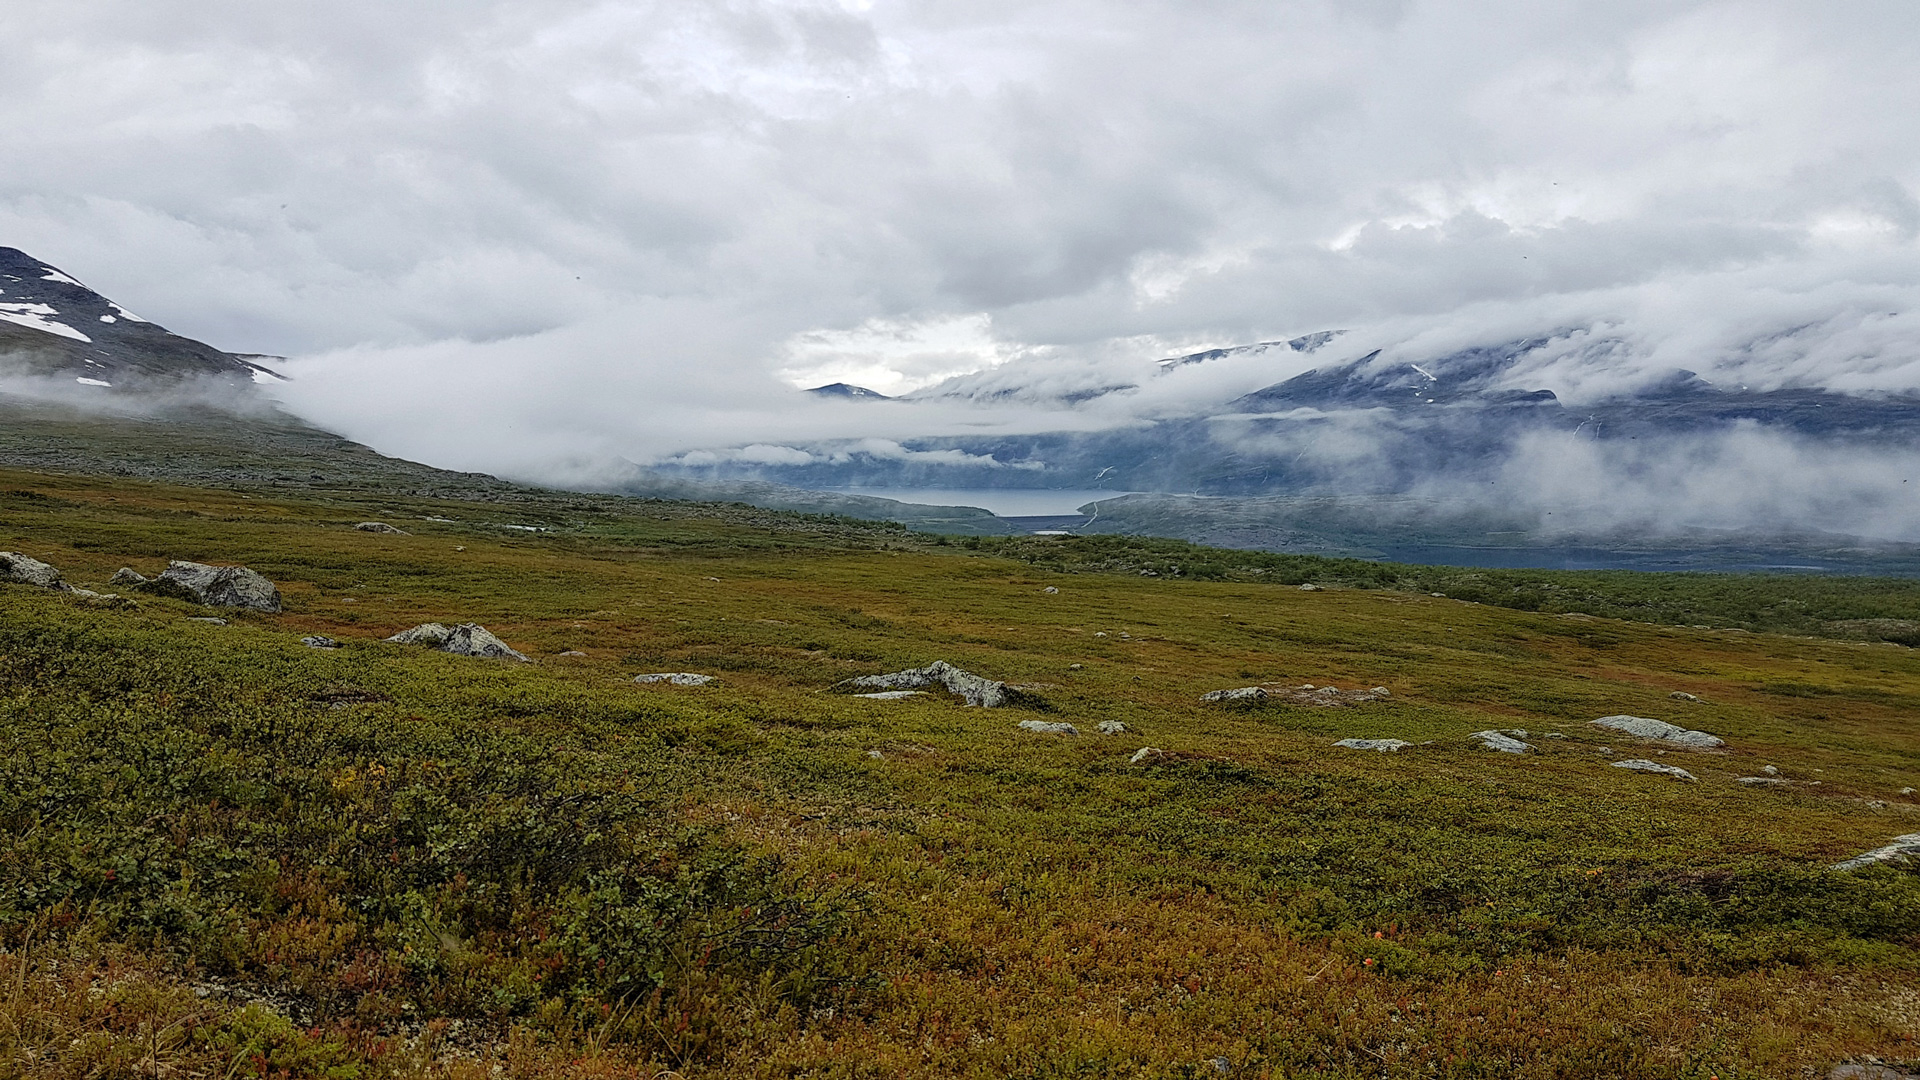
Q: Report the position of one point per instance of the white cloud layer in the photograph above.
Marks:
(499, 234)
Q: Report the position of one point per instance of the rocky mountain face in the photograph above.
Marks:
(52, 326)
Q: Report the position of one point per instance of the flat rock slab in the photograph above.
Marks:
(1648, 728)
(466, 639)
(1502, 741)
(1244, 693)
(1049, 727)
(1901, 849)
(319, 641)
(1643, 765)
(381, 527)
(1385, 746)
(215, 586)
(973, 689)
(677, 678)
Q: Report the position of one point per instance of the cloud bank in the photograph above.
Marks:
(501, 235)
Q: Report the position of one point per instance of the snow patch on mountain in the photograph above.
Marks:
(39, 317)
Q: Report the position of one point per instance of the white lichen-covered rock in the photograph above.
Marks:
(18, 569)
(1643, 765)
(381, 527)
(1111, 727)
(1241, 694)
(1049, 727)
(1901, 849)
(431, 634)
(1762, 781)
(1385, 746)
(1659, 729)
(466, 639)
(677, 678)
(319, 641)
(216, 586)
(127, 577)
(975, 690)
(1501, 741)
(1682, 695)
(1146, 753)
(892, 695)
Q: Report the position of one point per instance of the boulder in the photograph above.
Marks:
(216, 586)
(466, 639)
(381, 527)
(1660, 729)
(127, 576)
(1501, 741)
(1643, 765)
(89, 598)
(1901, 849)
(319, 641)
(1385, 746)
(1111, 727)
(975, 690)
(1244, 693)
(1049, 727)
(18, 569)
(676, 678)
(431, 634)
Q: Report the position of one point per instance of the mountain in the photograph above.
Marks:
(848, 390)
(52, 326)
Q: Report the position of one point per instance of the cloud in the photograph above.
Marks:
(499, 235)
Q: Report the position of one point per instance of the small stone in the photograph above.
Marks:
(127, 576)
(1876, 804)
(1907, 791)
(1111, 727)
(1244, 693)
(1643, 765)
(875, 754)
(1441, 595)
(1073, 667)
(1553, 735)
(1049, 590)
(1309, 588)
(1770, 770)
(1099, 633)
(381, 527)
(1506, 744)
(1385, 746)
(1682, 695)
(892, 695)
(214, 619)
(1762, 781)
(319, 641)
(573, 652)
(676, 678)
(1049, 727)
(1145, 753)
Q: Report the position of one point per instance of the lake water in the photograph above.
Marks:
(1006, 502)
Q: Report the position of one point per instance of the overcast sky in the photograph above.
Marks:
(627, 227)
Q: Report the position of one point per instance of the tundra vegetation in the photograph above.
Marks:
(224, 853)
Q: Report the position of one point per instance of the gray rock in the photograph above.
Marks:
(572, 652)
(466, 639)
(1907, 791)
(1309, 588)
(1870, 1071)
(1244, 693)
(1506, 744)
(214, 619)
(1762, 781)
(1660, 729)
(986, 693)
(892, 695)
(18, 569)
(431, 634)
(1682, 695)
(1050, 590)
(319, 641)
(677, 678)
(381, 527)
(1145, 753)
(1643, 765)
(1049, 727)
(1111, 727)
(216, 586)
(1385, 746)
(472, 639)
(1770, 770)
(1901, 849)
(127, 576)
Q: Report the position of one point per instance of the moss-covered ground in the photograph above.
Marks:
(225, 854)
